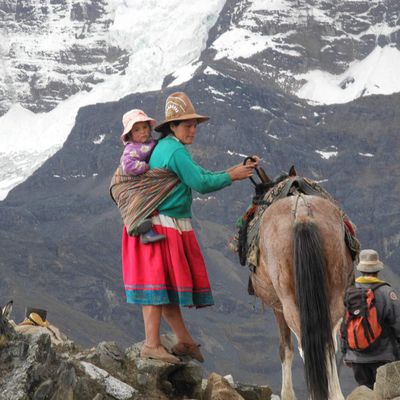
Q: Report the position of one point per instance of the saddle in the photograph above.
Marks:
(267, 192)
(299, 185)
(292, 184)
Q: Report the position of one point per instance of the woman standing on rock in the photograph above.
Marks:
(171, 273)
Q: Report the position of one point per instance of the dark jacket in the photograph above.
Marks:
(387, 303)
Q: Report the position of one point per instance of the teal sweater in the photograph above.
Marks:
(170, 153)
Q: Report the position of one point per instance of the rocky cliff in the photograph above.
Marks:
(53, 49)
(37, 365)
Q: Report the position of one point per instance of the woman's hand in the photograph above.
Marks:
(240, 171)
(256, 161)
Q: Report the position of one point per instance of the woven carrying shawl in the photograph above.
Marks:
(138, 196)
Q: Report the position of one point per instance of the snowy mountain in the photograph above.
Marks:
(312, 83)
(63, 55)
(58, 56)
(324, 51)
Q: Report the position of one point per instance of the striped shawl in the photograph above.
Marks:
(138, 196)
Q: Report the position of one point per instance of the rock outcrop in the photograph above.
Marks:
(386, 387)
(33, 367)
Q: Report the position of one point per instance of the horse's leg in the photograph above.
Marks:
(286, 354)
(335, 392)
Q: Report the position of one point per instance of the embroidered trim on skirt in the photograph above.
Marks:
(171, 271)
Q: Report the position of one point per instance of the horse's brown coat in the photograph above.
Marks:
(274, 278)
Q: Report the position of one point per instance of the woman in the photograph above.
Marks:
(171, 273)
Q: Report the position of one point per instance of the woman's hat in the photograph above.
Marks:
(131, 117)
(178, 107)
(369, 261)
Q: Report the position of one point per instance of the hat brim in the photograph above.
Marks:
(128, 127)
(200, 119)
(375, 267)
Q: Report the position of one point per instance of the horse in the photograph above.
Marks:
(303, 271)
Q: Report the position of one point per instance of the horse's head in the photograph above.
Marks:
(267, 183)
(6, 325)
(7, 309)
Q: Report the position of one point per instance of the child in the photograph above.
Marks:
(138, 147)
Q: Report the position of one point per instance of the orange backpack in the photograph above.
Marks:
(360, 328)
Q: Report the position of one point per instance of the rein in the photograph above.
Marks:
(264, 178)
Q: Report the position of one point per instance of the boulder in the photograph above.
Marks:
(218, 388)
(362, 393)
(253, 392)
(387, 384)
(160, 380)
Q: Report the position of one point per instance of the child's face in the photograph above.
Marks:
(140, 132)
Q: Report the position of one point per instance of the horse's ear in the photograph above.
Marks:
(263, 176)
(6, 311)
(292, 171)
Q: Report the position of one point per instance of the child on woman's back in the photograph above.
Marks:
(138, 147)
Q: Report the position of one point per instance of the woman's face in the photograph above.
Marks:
(185, 131)
(140, 132)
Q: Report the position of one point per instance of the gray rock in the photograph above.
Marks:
(387, 384)
(362, 393)
(253, 392)
(218, 388)
(44, 390)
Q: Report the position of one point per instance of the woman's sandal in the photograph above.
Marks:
(159, 353)
(188, 349)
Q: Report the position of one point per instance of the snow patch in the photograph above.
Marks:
(99, 139)
(261, 109)
(211, 71)
(378, 73)
(234, 153)
(185, 73)
(241, 42)
(326, 155)
(204, 199)
(366, 154)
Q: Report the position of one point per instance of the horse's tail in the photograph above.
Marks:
(313, 301)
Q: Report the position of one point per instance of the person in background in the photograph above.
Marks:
(139, 144)
(365, 363)
(172, 273)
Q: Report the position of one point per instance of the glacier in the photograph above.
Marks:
(161, 38)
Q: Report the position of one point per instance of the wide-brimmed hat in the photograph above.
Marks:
(131, 117)
(369, 261)
(35, 316)
(178, 107)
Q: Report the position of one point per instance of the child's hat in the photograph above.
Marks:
(131, 117)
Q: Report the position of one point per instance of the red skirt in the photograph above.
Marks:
(171, 271)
